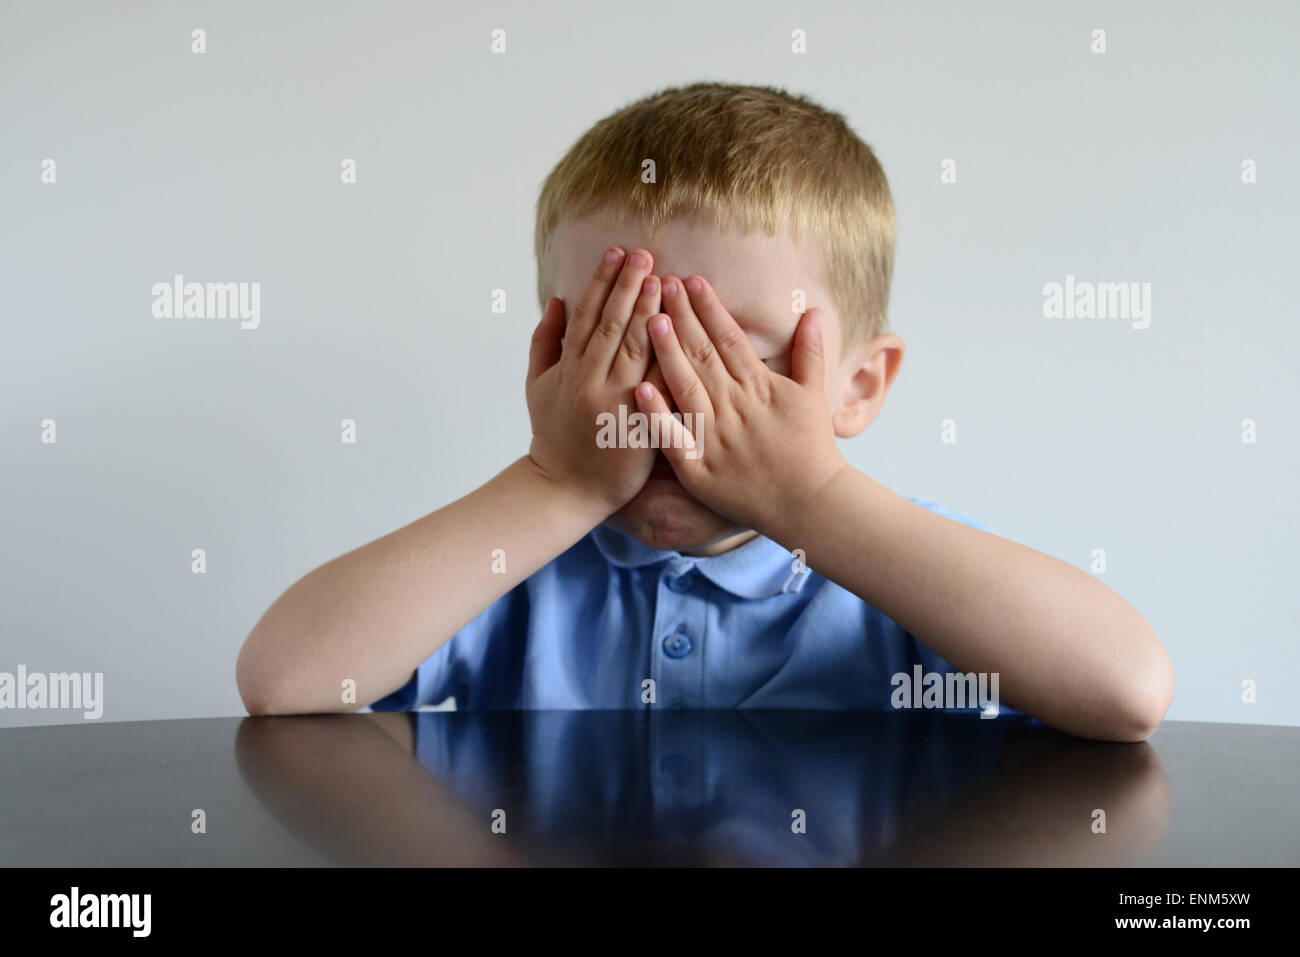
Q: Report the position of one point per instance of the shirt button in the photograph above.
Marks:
(677, 645)
(682, 582)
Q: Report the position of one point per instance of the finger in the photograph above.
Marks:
(675, 441)
(734, 348)
(695, 342)
(655, 376)
(634, 353)
(683, 380)
(587, 312)
(808, 354)
(607, 337)
(545, 349)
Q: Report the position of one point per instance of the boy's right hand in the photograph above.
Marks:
(590, 365)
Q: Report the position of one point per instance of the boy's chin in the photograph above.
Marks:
(665, 516)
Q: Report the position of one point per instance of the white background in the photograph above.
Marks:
(376, 296)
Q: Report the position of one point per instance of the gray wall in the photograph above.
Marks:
(375, 297)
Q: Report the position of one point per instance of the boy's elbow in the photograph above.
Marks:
(251, 691)
(260, 693)
(1148, 691)
(271, 684)
(258, 707)
(262, 698)
(256, 703)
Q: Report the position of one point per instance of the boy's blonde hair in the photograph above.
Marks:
(751, 158)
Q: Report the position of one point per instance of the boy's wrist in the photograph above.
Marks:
(802, 512)
(588, 510)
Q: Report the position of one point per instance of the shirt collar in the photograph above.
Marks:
(758, 569)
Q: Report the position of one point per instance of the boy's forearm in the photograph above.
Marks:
(374, 614)
(1068, 650)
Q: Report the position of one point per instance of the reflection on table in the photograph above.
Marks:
(777, 788)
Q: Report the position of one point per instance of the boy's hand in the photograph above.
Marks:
(588, 366)
(765, 442)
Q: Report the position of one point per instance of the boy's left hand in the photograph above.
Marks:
(761, 444)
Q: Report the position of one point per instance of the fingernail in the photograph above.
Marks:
(637, 261)
(650, 286)
(693, 286)
(659, 325)
(670, 287)
(646, 392)
(613, 257)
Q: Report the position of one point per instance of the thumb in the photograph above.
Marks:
(808, 356)
(545, 349)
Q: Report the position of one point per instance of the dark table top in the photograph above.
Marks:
(634, 787)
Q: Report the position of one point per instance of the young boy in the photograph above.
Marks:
(742, 245)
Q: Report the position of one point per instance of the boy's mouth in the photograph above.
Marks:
(662, 467)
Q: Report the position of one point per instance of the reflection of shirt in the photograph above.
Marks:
(752, 628)
(697, 787)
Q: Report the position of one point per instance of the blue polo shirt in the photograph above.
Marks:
(752, 628)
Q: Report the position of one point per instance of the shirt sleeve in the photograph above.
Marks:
(462, 664)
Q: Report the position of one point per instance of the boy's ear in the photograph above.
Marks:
(876, 364)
